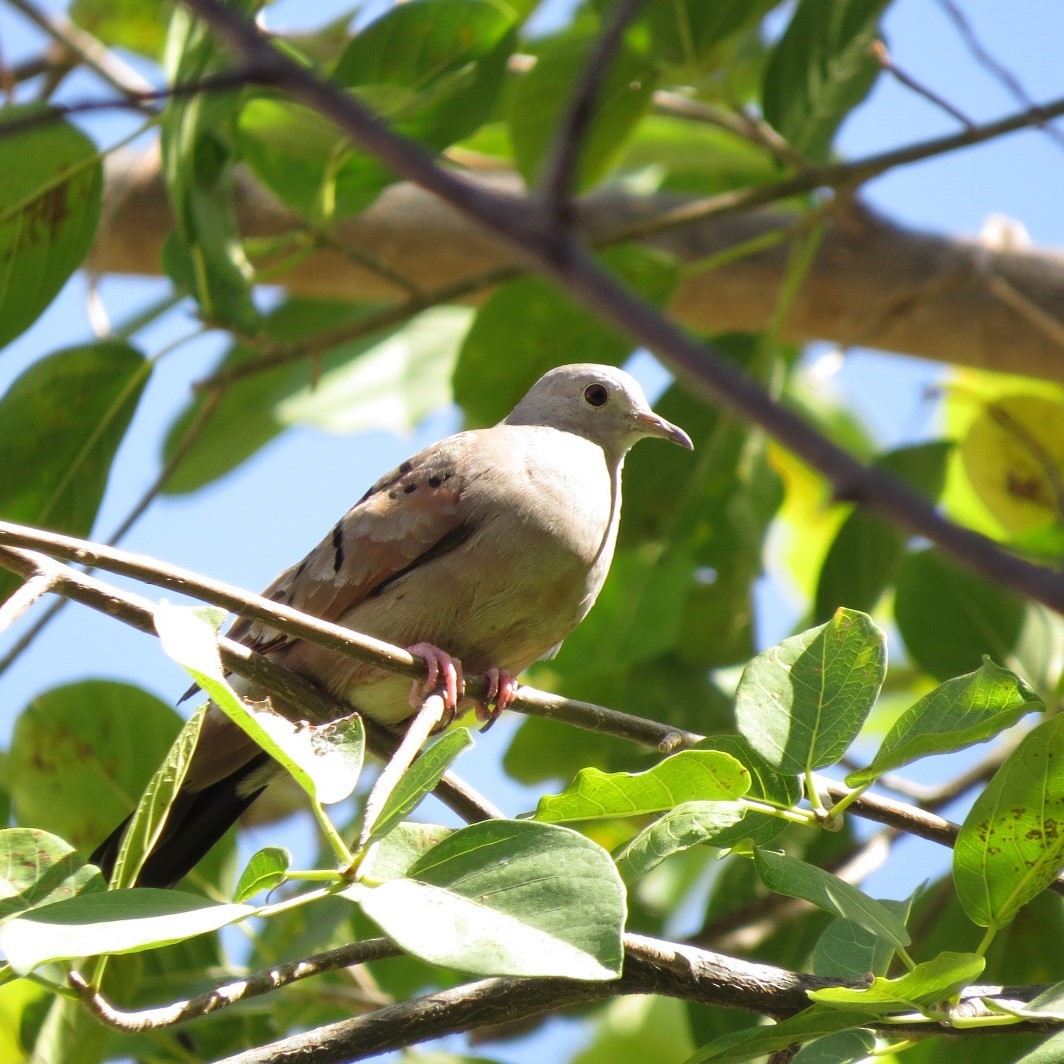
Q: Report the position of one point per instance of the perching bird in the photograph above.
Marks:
(483, 552)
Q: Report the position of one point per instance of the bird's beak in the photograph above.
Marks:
(651, 424)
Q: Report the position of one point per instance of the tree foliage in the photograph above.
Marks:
(734, 782)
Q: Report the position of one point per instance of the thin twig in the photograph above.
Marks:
(88, 50)
(424, 722)
(560, 174)
(21, 599)
(879, 52)
(254, 985)
(999, 70)
(223, 81)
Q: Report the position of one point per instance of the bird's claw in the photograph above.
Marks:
(444, 676)
(502, 690)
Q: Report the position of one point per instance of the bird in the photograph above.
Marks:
(480, 553)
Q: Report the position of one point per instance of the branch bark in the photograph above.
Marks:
(874, 283)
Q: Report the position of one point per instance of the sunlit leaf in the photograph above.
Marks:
(49, 208)
(965, 710)
(691, 775)
(507, 898)
(800, 704)
(1011, 846)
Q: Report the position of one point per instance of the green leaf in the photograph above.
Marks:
(37, 868)
(1051, 1051)
(951, 618)
(393, 856)
(49, 208)
(204, 253)
(867, 550)
(689, 824)
(443, 61)
(847, 951)
(114, 921)
(82, 753)
(800, 704)
(1011, 846)
(432, 70)
(507, 898)
(765, 782)
(820, 70)
(688, 33)
(267, 869)
(968, 709)
(697, 159)
(845, 1047)
(797, 879)
(149, 818)
(923, 987)
(419, 779)
(137, 25)
(741, 1047)
(541, 98)
(689, 776)
(325, 760)
(393, 383)
(389, 379)
(61, 423)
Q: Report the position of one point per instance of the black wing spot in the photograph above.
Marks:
(410, 488)
(435, 482)
(338, 546)
(406, 467)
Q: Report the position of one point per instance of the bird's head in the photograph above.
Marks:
(601, 403)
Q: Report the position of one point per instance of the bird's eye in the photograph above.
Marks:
(596, 394)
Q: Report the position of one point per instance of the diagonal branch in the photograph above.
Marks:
(560, 174)
(571, 265)
(250, 986)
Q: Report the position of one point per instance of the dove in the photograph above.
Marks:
(480, 553)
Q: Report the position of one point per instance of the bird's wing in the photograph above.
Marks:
(417, 512)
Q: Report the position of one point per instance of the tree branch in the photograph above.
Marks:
(651, 966)
(256, 984)
(866, 266)
(560, 173)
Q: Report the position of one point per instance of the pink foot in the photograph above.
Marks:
(502, 690)
(444, 675)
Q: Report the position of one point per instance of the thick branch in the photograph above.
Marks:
(651, 966)
(873, 283)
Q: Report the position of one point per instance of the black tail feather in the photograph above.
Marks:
(197, 820)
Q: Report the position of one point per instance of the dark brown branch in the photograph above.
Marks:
(999, 70)
(560, 173)
(575, 269)
(651, 966)
(882, 56)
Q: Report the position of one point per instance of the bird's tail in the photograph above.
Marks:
(196, 821)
